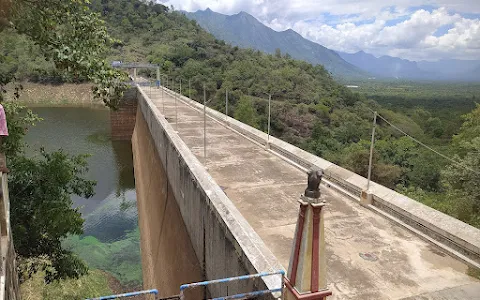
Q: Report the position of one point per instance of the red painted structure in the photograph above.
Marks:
(314, 211)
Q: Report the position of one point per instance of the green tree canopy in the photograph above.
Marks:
(75, 39)
(245, 112)
(463, 178)
(41, 209)
(70, 35)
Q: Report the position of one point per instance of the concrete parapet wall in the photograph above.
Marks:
(224, 243)
(162, 230)
(456, 237)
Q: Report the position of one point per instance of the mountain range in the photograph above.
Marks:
(243, 30)
(394, 67)
(246, 31)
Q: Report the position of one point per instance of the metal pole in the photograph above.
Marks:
(189, 90)
(371, 150)
(204, 126)
(158, 77)
(176, 111)
(268, 129)
(226, 105)
(135, 75)
(163, 98)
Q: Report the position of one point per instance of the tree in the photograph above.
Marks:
(434, 127)
(42, 213)
(463, 183)
(356, 158)
(245, 112)
(463, 178)
(470, 129)
(278, 53)
(75, 40)
(71, 36)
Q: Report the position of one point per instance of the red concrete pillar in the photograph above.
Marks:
(306, 277)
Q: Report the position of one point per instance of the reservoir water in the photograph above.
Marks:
(111, 237)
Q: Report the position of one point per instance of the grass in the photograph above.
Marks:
(94, 284)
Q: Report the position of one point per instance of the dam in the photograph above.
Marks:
(229, 207)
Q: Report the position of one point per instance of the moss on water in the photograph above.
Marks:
(120, 258)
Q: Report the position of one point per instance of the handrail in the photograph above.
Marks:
(126, 295)
(183, 287)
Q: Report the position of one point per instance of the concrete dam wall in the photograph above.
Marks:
(190, 230)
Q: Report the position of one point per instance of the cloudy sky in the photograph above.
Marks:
(412, 29)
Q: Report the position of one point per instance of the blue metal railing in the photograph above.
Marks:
(184, 287)
(230, 279)
(126, 295)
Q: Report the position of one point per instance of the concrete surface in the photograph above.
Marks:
(198, 229)
(265, 189)
(453, 236)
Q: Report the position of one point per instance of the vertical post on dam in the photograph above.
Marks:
(307, 273)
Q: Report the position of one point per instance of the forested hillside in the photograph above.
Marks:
(310, 109)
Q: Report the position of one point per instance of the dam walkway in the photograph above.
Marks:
(368, 256)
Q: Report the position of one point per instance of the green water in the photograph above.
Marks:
(111, 238)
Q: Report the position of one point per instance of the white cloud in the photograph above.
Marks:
(352, 25)
(306, 9)
(420, 26)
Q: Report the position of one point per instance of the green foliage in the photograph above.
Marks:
(463, 178)
(455, 190)
(42, 213)
(68, 34)
(424, 100)
(95, 284)
(464, 183)
(470, 130)
(245, 112)
(19, 119)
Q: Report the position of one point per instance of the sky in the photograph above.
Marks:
(410, 29)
